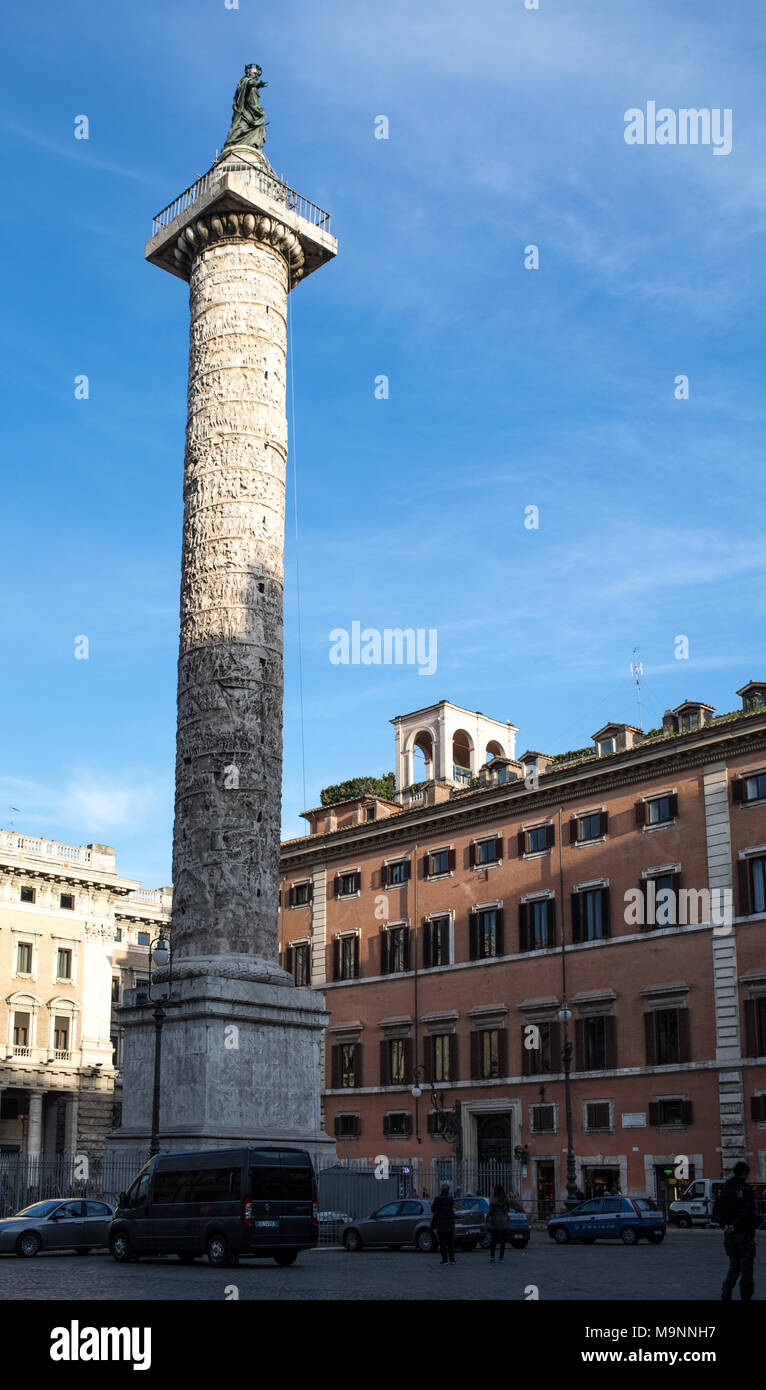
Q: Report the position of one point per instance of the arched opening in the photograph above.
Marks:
(462, 748)
(494, 750)
(423, 757)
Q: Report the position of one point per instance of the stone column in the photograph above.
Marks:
(70, 1124)
(35, 1126)
(229, 743)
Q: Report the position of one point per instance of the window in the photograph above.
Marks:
(486, 933)
(606, 746)
(349, 884)
(440, 862)
(670, 1112)
(486, 852)
(441, 1057)
(115, 989)
(590, 914)
(595, 1046)
(395, 874)
(346, 957)
(24, 958)
(64, 963)
(755, 1027)
(118, 933)
(370, 812)
(543, 1119)
(347, 1126)
(750, 788)
(66, 901)
(398, 1124)
(540, 1050)
(758, 1108)
(664, 893)
(589, 827)
(657, 810)
(300, 894)
(667, 1036)
(394, 950)
(395, 1061)
(488, 1053)
(537, 924)
(690, 721)
(346, 1066)
(537, 839)
(21, 1030)
(61, 1034)
(27, 895)
(597, 1115)
(197, 1185)
(143, 938)
(436, 942)
(752, 885)
(300, 964)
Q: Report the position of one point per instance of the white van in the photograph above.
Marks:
(695, 1206)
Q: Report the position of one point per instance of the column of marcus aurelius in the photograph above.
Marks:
(240, 1044)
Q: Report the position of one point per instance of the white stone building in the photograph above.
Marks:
(73, 935)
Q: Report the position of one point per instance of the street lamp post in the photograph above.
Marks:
(571, 1200)
(159, 955)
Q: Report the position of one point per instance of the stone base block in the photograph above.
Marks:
(240, 1063)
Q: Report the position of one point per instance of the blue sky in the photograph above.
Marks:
(508, 387)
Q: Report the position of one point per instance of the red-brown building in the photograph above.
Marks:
(448, 926)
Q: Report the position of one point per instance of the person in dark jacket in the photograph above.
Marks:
(443, 1223)
(498, 1222)
(735, 1212)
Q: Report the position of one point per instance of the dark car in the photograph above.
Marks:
(517, 1236)
(408, 1222)
(628, 1219)
(220, 1202)
(62, 1223)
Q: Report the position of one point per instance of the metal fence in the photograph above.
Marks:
(347, 1191)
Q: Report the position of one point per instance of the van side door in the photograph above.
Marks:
(296, 1225)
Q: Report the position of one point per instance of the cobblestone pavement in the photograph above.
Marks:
(688, 1265)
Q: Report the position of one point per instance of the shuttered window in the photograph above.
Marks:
(436, 942)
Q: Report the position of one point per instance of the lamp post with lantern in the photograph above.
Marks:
(159, 954)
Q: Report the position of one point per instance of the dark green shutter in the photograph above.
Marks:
(650, 1037)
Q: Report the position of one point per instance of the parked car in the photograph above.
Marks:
(408, 1222)
(628, 1219)
(695, 1205)
(61, 1223)
(518, 1236)
(220, 1202)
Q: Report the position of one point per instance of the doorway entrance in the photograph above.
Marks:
(597, 1182)
(546, 1190)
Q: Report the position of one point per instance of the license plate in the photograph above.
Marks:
(474, 1230)
(266, 1223)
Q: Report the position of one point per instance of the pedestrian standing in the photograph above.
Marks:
(498, 1221)
(443, 1223)
(734, 1210)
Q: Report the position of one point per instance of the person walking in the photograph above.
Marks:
(443, 1223)
(734, 1211)
(498, 1221)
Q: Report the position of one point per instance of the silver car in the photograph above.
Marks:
(59, 1224)
(408, 1222)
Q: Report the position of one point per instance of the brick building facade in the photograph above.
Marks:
(447, 927)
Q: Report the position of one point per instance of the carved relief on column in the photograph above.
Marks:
(229, 748)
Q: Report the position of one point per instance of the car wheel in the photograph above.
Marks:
(485, 1241)
(83, 1249)
(628, 1236)
(219, 1254)
(684, 1222)
(121, 1248)
(28, 1245)
(521, 1243)
(352, 1241)
(286, 1257)
(185, 1258)
(393, 1247)
(656, 1237)
(425, 1241)
(561, 1235)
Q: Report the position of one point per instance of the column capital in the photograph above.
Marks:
(232, 225)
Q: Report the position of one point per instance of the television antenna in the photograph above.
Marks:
(637, 671)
